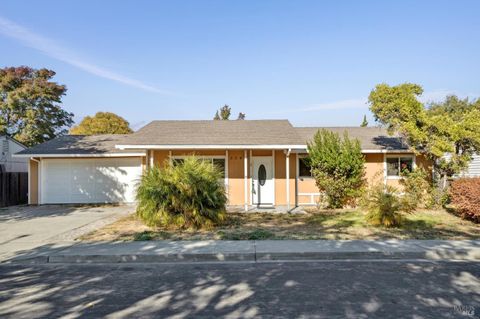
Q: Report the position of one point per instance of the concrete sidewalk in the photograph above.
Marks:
(249, 251)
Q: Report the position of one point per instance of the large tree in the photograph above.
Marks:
(102, 123)
(447, 132)
(30, 105)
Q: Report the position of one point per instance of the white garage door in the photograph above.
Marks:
(99, 180)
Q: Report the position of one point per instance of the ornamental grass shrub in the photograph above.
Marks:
(189, 194)
(465, 198)
(383, 206)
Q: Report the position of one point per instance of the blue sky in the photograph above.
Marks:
(313, 62)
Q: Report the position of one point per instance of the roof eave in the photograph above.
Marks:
(125, 154)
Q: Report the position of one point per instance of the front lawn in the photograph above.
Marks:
(325, 224)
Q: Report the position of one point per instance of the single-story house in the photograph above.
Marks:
(262, 161)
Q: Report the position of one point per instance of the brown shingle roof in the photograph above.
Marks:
(371, 138)
(241, 132)
(78, 144)
(244, 132)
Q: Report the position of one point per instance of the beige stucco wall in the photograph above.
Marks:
(307, 190)
(280, 178)
(33, 183)
(236, 177)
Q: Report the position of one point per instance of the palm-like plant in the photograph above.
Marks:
(384, 207)
(189, 194)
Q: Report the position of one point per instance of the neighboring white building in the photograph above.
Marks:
(8, 147)
(473, 169)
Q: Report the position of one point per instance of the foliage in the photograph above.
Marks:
(383, 205)
(224, 114)
(102, 123)
(465, 197)
(439, 129)
(189, 194)
(364, 122)
(416, 189)
(337, 166)
(30, 105)
(438, 197)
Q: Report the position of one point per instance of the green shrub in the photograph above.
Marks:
(416, 190)
(190, 194)
(383, 205)
(338, 167)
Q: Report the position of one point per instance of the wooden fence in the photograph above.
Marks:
(13, 189)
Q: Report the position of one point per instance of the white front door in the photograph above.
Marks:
(263, 188)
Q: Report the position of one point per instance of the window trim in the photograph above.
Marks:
(300, 156)
(398, 156)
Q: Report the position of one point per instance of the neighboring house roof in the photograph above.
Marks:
(13, 140)
(78, 145)
(196, 133)
(371, 138)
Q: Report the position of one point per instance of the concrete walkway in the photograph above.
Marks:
(250, 251)
(26, 229)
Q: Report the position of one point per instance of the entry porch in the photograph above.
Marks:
(254, 178)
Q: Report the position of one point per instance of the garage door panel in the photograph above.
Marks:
(90, 180)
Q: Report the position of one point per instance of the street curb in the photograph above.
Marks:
(253, 251)
(143, 258)
(430, 255)
(433, 255)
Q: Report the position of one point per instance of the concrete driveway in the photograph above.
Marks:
(25, 229)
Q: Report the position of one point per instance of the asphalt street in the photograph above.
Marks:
(328, 289)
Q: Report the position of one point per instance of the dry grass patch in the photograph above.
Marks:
(315, 224)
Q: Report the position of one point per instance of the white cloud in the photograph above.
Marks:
(336, 105)
(440, 95)
(359, 103)
(54, 50)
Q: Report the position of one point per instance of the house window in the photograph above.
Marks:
(304, 168)
(398, 165)
(177, 161)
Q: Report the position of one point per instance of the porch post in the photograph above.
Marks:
(147, 160)
(287, 161)
(245, 175)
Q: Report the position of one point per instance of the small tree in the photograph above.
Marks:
(102, 123)
(364, 122)
(338, 166)
(224, 114)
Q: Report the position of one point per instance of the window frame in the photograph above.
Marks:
(398, 157)
(299, 157)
